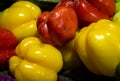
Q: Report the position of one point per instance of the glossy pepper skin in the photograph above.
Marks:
(20, 18)
(35, 61)
(8, 42)
(89, 11)
(58, 26)
(98, 46)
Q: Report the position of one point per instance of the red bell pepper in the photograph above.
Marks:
(58, 26)
(8, 42)
(89, 11)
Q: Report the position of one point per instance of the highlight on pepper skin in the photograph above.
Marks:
(35, 61)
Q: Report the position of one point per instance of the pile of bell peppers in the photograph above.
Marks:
(97, 44)
(33, 60)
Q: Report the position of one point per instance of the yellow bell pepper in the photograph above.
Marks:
(21, 19)
(98, 46)
(35, 61)
(71, 60)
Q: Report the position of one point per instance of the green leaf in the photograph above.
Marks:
(117, 4)
(118, 72)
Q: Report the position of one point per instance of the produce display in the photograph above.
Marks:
(73, 40)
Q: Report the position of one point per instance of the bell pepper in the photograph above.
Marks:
(58, 26)
(98, 46)
(35, 61)
(20, 18)
(71, 60)
(8, 42)
(89, 11)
